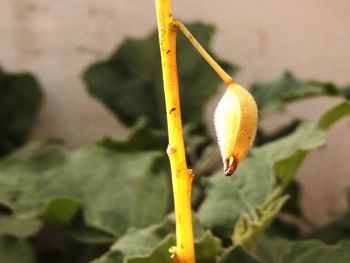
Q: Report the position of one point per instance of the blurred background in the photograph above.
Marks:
(57, 40)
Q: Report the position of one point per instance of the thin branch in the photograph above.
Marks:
(181, 176)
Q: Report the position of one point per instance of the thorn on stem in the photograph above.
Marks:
(172, 110)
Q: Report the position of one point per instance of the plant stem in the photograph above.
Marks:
(218, 69)
(181, 176)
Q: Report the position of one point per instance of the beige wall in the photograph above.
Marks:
(57, 39)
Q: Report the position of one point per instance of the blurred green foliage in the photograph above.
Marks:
(130, 83)
(111, 202)
(20, 100)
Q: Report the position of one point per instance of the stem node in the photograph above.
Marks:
(170, 149)
(173, 26)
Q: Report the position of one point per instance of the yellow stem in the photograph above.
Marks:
(181, 176)
(218, 69)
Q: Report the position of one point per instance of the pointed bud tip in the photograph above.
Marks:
(230, 166)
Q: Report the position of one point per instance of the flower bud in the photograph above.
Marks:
(235, 123)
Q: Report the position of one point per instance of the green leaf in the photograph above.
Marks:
(15, 251)
(285, 155)
(112, 257)
(238, 254)
(333, 232)
(129, 83)
(267, 165)
(141, 242)
(60, 210)
(209, 161)
(20, 100)
(270, 248)
(140, 138)
(159, 255)
(196, 140)
(277, 250)
(115, 189)
(250, 225)
(288, 153)
(85, 234)
(228, 197)
(334, 114)
(207, 248)
(152, 244)
(292, 205)
(316, 251)
(262, 137)
(54, 245)
(19, 228)
(272, 96)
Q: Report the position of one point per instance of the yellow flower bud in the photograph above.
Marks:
(235, 121)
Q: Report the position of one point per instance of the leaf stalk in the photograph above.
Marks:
(177, 25)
